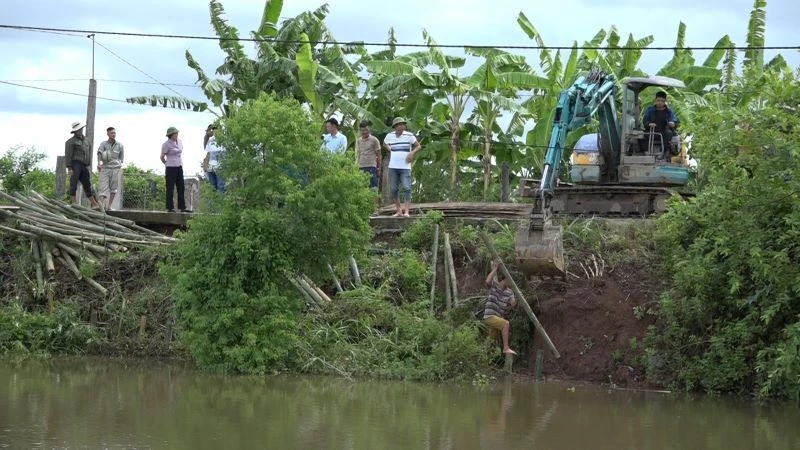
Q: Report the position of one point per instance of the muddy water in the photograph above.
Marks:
(97, 403)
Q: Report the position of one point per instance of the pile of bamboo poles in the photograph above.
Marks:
(71, 235)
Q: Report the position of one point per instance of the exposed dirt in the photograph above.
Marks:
(598, 325)
(593, 325)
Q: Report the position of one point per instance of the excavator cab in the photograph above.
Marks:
(617, 179)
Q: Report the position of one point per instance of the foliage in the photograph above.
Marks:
(290, 208)
(403, 273)
(19, 171)
(59, 332)
(364, 335)
(419, 235)
(731, 321)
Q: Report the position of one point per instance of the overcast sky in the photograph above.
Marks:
(42, 119)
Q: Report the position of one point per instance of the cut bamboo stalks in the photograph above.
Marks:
(37, 260)
(354, 269)
(335, 279)
(311, 291)
(448, 293)
(520, 298)
(309, 300)
(316, 288)
(435, 260)
(448, 253)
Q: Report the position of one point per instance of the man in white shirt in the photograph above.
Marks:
(334, 141)
(402, 146)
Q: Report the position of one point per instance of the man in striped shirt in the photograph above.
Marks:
(499, 302)
(402, 146)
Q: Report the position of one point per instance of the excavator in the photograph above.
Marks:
(631, 173)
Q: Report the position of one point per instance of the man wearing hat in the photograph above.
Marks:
(78, 156)
(171, 152)
(402, 146)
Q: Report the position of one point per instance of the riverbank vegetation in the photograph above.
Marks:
(705, 297)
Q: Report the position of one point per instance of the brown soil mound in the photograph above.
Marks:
(593, 325)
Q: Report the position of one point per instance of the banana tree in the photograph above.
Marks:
(275, 70)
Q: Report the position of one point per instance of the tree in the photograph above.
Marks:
(290, 208)
(732, 320)
(19, 171)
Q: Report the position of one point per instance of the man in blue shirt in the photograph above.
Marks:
(660, 119)
(334, 141)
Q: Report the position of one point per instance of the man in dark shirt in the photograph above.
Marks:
(660, 118)
(499, 302)
(78, 156)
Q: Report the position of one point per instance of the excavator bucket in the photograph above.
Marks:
(540, 252)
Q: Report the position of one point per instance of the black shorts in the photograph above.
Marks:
(373, 179)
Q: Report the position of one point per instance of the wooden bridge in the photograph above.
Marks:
(470, 213)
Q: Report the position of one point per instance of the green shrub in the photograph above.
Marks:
(290, 207)
(403, 273)
(58, 332)
(730, 323)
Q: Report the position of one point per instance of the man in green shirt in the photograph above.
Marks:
(78, 156)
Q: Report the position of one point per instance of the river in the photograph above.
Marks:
(106, 403)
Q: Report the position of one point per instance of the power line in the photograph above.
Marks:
(54, 80)
(60, 92)
(384, 44)
(140, 70)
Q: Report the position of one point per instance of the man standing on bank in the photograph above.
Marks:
(110, 156)
(403, 146)
(78, 156)
(334, 141)
(171, 152)
(369, 157)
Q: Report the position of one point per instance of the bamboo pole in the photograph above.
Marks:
(448, 293)
(48, 259)
(435, 261)
(61, 238)
(18, 232)
(525, 306)
(70, 264)
(335, 279)
(354, 269)
(448, 253)
(37, 261)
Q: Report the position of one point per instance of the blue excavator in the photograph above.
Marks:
(631, 172)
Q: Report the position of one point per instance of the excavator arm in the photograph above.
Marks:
(539, 246)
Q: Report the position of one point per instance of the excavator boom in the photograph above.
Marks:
(539, 246)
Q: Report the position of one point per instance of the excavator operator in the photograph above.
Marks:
(659, 118)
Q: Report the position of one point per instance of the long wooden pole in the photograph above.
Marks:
(525, 306)
(435, 260)
(448, 293)
(448, 253)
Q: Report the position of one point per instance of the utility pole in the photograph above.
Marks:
(91, 107)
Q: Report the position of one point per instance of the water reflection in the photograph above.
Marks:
(96, 403)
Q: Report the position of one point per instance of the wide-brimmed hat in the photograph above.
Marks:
(171, 131)
(77, 126)
(398, 120)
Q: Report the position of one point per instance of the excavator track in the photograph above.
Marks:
(608, 200)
